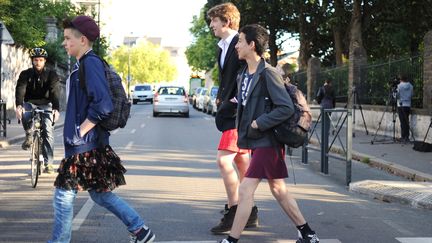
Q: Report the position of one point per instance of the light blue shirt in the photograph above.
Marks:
(405, 93)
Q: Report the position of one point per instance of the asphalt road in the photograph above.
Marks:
(174, 183)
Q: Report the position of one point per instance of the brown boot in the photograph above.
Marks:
(226, 222)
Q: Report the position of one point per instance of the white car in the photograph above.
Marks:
(141, 93)
(171, 99)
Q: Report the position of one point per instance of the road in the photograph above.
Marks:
(173, 182)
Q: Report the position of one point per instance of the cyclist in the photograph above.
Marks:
(38, 87)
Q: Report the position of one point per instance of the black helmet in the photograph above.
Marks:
(38, 52)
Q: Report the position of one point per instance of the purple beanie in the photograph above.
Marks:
(87, 26)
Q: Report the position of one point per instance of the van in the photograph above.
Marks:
(142, 93)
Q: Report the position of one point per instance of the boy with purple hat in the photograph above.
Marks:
(90, 163)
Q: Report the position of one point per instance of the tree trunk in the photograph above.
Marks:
(273, 48)
(337, 35)
(304, 43)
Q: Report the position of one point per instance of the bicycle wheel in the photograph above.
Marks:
(34, 160)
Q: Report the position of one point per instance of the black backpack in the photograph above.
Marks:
(293, 131)
(120, 114)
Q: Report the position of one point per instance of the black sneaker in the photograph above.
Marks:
(143, 236)
(225, 210)
(310, 238)
(253, 218)
(27, 142)
(226, 222)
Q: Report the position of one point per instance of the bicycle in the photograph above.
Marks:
(36, 157)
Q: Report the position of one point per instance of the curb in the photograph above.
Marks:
(417, 194)
(399, 170)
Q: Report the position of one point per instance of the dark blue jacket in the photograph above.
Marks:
(93, 103)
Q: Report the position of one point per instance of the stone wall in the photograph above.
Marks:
(427, 73)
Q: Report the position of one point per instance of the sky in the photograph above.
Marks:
(169, 19)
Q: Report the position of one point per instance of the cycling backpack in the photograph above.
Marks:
(294, 131)
(121, 111)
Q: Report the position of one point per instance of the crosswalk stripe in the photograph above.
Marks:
(414, 240)
(279, 241)
(321, 241)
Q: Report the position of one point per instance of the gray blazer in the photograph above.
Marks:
(267, 108)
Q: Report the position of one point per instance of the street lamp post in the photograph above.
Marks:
(129, 41)
(129, 75)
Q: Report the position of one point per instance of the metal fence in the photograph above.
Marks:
(378, 84)
(376, 81)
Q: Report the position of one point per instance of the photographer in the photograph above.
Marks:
(404, 94)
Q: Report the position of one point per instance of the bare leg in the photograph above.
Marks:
(242, 163)
(286, 201)
(247, 189)
(229, 175)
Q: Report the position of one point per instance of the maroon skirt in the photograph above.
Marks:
(267, 163)
(99, 169)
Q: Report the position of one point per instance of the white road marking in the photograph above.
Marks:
(397, 227)
(142, 125)
(129, 145)
(82, 215)
(133, 131)
(414, 240)
(321, 241)
(114, 132)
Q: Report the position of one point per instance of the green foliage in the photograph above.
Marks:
(26, 21)
(201, 54)
(149, 63)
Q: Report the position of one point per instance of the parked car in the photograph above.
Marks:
(211, 104)
(201, 98)
(194, 96)
(142, 92)
(171, 99)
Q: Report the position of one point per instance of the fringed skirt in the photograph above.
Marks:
(99, 169)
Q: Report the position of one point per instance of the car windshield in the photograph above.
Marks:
(143, 88)
(171, 91)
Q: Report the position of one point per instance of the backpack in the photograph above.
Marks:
(293, 132)
(320, 95)
(121, 104)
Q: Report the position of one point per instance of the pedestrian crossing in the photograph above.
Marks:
(399, 239)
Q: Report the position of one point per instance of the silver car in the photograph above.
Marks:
(171, 99)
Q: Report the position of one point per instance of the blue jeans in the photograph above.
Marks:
(63, 212)
(47, 130)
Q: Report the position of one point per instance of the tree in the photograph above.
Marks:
(148, 63)
(201, 54)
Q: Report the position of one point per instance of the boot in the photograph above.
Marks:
(28, 141)
(253, 218)
(225, 210)
(226, 222)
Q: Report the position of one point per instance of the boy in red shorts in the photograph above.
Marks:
(225, 19)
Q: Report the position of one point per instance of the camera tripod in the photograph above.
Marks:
(391, 101)
(356, 101)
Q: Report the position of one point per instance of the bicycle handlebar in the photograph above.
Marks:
(36, 110)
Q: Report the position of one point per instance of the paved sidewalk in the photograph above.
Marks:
(396, 158)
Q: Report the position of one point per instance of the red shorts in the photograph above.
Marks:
(228, 141)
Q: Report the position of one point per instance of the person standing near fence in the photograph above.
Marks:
(404, 96)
